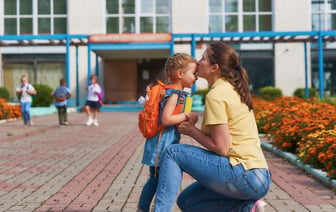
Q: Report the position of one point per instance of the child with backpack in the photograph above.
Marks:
(61, 94)
(25, 92)
(94, 101)
(180, 70)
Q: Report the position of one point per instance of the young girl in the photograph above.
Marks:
(24, 93)
(181, 73)
(92, 104)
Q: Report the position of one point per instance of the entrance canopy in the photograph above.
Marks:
(258, 37)
(131, 43)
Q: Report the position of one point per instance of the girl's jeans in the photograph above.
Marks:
(148, 190)
(25, 110)
(219, 186)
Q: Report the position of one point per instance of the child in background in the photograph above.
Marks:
(61, 94)
(24, 93)
(181, 73)
(93, 104)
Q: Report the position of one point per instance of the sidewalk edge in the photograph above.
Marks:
(317, 173)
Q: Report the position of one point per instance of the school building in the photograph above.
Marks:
(283, 43)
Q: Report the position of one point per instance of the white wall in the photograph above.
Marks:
(289, 67)
(189, 16)
(86, 17)
(291, 15)
(289, 58)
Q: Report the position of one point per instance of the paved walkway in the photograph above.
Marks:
(79, 168)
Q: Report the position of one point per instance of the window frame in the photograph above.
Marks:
(138, 16)
(325, 14)
(35, 18)
(240, 13)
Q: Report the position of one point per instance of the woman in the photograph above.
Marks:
(231, 171)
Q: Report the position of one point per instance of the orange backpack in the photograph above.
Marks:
(149, 116)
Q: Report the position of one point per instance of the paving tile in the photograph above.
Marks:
(81, 168)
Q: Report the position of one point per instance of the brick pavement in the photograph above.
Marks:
(80, 168)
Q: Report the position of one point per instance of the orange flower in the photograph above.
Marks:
(321, 157)
(312, 151)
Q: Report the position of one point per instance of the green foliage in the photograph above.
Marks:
(300, 92)
(269, 93)
(4, 93)
(43, 97)
(329, 100)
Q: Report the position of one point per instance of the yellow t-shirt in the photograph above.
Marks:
(223, 106)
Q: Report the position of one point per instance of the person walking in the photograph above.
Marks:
(230, 169)
(180, 70)
(93, 104)
(24, 92)
(61, 95)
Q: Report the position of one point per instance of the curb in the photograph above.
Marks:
(39, 111)
(316, 173)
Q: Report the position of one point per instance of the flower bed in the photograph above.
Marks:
(303, 127)
(8, 111)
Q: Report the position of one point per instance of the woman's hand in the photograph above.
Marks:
(192, 117)
(185, 127)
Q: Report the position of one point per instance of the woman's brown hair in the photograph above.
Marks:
(228, 61)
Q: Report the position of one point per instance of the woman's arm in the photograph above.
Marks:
(168, 118)
(218, 141)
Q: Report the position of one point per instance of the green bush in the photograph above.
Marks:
(43, 97)
(269, 93)
(300, 92)
(4, 93)
(329, 100)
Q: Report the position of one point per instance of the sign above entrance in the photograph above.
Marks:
(130, 38)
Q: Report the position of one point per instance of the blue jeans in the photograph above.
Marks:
(148, 190)
(219, 186)
(25, 110)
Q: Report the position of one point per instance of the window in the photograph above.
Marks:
(137, 16)
(240, 15)
(323, 14)
(35, 17)
(260, 67)
(329, 71)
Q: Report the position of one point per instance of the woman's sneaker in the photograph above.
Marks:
(259, 206)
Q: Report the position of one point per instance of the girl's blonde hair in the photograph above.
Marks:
(176, 62)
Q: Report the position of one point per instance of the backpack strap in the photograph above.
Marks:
(180, 100)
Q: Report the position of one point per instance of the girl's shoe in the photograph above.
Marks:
(90, 121)
(259, 206)
(95, 123)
